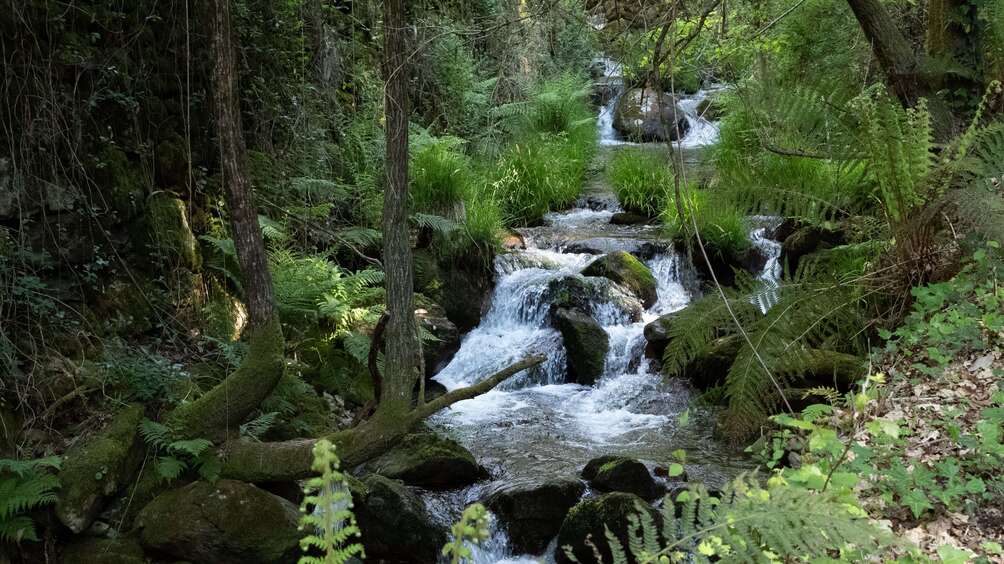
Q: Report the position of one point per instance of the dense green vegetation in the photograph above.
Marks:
(865, 380)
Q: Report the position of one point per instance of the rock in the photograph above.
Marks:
(833, 369)
(711, 108)
(629, 218)
(228, 522)
(430, 461)
(604, 245)
(341, 375)
(122, 550)
(438, 353)
(624, 269)
(465, 290)
(805, 240)
(577, 292)
(122, 181)
(96, 469)
(586, 344)
(622, 474)
(532, 513)
(512, 241)
(395, 524)
(638, 117)
(169, 234)
(592, 517)
(657, 334)
(709, 368)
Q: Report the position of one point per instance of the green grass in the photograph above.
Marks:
(641, 179)
(719, 221)
(440, 174)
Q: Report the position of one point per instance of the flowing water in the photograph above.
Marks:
(536, 426)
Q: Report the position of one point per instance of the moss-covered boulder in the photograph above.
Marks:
(622, 474)
(532, 513)
(98, 468)
(395, 523)
(711, 365)
(228, 522)
(624, 269)
(586, 344)
(122, 550)
(169, 233)
(428, 460)
(590, 519)
(644, 114)
(122, 181)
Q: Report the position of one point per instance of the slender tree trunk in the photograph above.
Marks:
(892, 50)
(401, 336)
(233, 156)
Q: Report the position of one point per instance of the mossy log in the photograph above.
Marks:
(290, 460)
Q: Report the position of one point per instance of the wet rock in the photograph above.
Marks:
(657, 334)
(428, 460)
(169, 234)
(606, 89)
(805, 240)
(626, 270)
(602, 245)
(643, 114)
(710, 367)
(586, 344)
(622, 474)
(629, 218)
(123, 550)
(591, 518)
(394, 522)
(576, 292)
(513, 241)
(465, 290)
(97, 469)
(437, 353)
(228, 522)
(711, 108)
(433, 390)
(532, 513)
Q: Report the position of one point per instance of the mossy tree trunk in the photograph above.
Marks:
(892, 50)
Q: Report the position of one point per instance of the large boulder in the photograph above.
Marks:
(532, 513)
(624, 269)
(622, 474)
(97, 469)
(806, 240)
(432, 318)
(586, 344)
(711, 365)
(394, 522)
(90, 550)
(430, 461)
(228, 522)
(643, 114)
(577, 292)
(590, 519)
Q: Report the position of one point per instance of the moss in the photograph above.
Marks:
(169, 234)
(172, 161)
(104, 551)
(98, 468)
(123, 182)
(594, 516)
(428, 460)
(623, 268)
(585, 342)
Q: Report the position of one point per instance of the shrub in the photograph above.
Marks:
(641, 179)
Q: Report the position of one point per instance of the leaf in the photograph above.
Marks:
(675, 469)
(952, 555)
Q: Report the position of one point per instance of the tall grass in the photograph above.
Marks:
(721, 224)
(641, 179)
(440, 174)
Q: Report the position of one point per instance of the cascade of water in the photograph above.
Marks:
(771, 250)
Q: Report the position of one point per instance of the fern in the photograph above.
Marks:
(327, 512)
(176, 457)
(257, 427)
(747, 523)
(25, 485)
(472, 528)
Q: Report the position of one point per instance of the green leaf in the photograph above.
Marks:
(952, 555)
(675, 469)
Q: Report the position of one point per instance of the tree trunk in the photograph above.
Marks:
(892, 50)
(217, 414)
(401, 341)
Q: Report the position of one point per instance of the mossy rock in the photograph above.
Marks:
(122, 550)
(228, 522)
(123, 182)
(172, 161)
(622, 474)
(169, 232)
(532, 513)
(657, 334)
(586, 344)
(98, 468)
(644, 114)
(806, 240)
(428, 460)
(590, 519)
(395, 523)
(711, 365)
(626, 270)
(306, 415)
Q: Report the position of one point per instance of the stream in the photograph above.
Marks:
(536, 426)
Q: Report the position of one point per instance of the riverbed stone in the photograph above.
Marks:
(624, 269)
(629, 218)
(592, 517)
(228, 522)
(98, 468)
(657, 334)
(437, 353)
(645, 114)
(533, 513)
(428, 460)
(586, 344)
(395, 523)
(90, 550)
(622, 474)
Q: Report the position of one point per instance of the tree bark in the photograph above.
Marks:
(892, 50)
(217, 414)
(401, 342)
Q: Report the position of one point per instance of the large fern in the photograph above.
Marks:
(747, 523)
(327, 513)
(25, 485)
